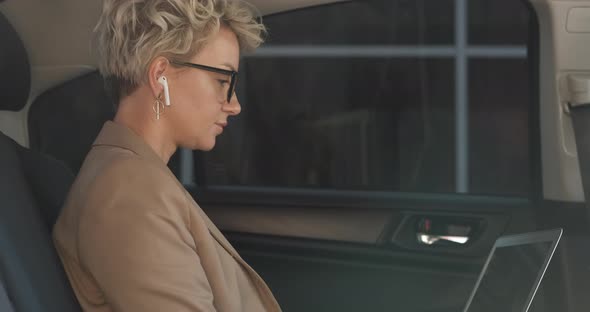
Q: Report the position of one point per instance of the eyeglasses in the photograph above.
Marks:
(233, 74)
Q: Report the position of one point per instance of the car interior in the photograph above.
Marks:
(383, 147)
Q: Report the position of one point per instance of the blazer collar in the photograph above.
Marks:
(215, 232)
(114, 134)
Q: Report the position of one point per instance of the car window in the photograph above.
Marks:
(389, 95)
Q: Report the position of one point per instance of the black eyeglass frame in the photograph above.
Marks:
(232, 73)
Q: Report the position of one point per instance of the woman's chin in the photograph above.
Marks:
(201, 145)
(207, 146)
(208, 149)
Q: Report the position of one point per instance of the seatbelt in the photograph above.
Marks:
(5, 304)
(579, 109)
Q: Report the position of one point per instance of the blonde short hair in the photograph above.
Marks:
(131, 33)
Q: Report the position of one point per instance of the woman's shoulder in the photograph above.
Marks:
(129, 185)
(121, 166)
(118, 174)
(134, 172)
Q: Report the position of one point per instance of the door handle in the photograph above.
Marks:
(430, 239)
(445, 231)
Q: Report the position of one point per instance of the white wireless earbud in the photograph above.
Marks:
(164, 82)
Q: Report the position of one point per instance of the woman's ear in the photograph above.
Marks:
(156, 70)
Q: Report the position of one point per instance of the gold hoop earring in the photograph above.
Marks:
(158, 108)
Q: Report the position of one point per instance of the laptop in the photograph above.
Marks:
(513, 272)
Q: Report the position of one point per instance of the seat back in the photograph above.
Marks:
(32, 190)
(64, 121)
(5, 304)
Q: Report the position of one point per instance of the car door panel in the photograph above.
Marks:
(318, 258)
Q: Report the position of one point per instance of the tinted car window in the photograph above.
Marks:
(389, 95)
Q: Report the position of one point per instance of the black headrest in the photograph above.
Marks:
(15, 71)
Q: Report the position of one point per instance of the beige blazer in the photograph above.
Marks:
(131, 238)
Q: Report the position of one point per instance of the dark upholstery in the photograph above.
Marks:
(64, 121)
(32, 190)
(15, 72)
(5, 304)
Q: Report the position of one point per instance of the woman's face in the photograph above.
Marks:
(199, 108)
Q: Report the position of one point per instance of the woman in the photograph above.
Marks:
(130, 237)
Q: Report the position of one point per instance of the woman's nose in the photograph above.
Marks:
(233, 107)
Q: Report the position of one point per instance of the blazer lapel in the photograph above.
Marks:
(114, 134)
(265, 292)
(214, 230)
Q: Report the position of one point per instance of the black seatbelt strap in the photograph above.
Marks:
(581, 121)
(5, 304)
(579, 109)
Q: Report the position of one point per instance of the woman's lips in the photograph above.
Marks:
(221, 125)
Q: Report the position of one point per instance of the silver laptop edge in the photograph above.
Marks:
(552, 236)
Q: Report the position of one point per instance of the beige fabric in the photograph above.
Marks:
(132, 239)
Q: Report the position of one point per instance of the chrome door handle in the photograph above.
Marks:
(429, 239)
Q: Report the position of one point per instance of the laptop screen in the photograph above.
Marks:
(513, 273)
